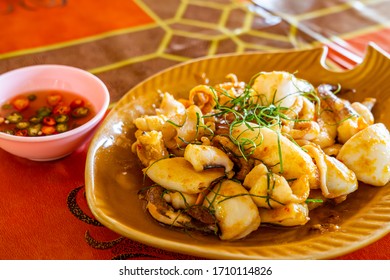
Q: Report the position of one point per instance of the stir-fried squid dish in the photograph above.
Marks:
(236, 155)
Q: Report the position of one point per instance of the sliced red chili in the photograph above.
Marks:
(53, 99)
(22, 132)
(49, 121)
(48, 130)
(78, 102)
(61, 110)
(20, 103)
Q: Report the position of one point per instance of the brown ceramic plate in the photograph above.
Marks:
(113, 173)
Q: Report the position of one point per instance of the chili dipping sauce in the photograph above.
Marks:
(44, 112)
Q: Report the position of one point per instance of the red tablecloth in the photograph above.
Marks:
(43, 210)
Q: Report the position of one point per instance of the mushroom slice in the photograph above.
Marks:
(190, 217)
(162, 211)
(168, 217)
(367, 153)
(349, 122)
(179, 175)
(180, 200)
(236, 213)
(204, 157)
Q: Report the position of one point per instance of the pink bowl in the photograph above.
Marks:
(56, 77)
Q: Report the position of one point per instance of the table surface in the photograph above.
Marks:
(43, 210)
